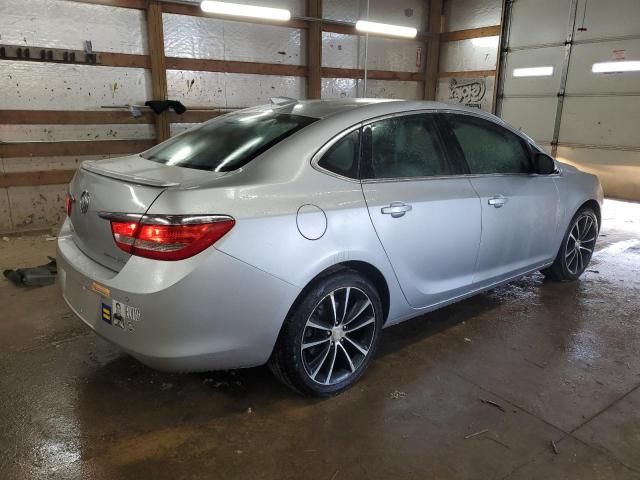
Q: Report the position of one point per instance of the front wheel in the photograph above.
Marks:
(577, 247)
(329, 336)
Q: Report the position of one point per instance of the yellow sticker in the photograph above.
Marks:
(101, 289)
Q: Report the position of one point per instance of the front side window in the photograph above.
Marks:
(227, 143)
(404, 147)
(489, 148)
(342, 156)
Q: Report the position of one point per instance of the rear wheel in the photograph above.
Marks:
(329, 336)
(577, 247)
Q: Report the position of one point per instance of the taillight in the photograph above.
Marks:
(68, 203)
(169, 237)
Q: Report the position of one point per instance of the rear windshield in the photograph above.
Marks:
(229, 142)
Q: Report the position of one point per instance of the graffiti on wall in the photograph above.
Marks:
(469, 92)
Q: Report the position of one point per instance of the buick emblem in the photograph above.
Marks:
(85, 198)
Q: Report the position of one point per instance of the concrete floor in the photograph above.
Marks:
(560, 359)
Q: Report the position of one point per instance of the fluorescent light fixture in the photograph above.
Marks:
(386, 29)
(485, 41)
(240, 10)
(533, 72)
(616, 67)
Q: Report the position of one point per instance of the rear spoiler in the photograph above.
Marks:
(93, 167)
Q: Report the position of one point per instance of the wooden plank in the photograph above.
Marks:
(330, 72)
(155, 37)
(127, 60)
(133, 4)
(228, 66)
(29, 179)
(194, 116)
(470, 33)
(72, 148)
(195, 11)
(433, 50)
(468, 74)
(103, 59)
(314, 50)
(100, 117)
(72, 117)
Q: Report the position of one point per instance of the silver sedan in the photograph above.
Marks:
(293, 233)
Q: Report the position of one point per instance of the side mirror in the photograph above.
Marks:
(543, 164)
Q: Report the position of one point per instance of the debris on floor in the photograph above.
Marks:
(397, 395)
(493, 404)
(471, 435)
(554, 447)
(33, 276)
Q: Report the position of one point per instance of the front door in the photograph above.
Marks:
(520, 210)
(426, 215)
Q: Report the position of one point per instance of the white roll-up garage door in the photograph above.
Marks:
(548, 86)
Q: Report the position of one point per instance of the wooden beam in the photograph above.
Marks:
(29, 179)
(330, 72)
(314, 50)
(72, 148)
(229, 66)
(72, 117)
(433, 50)
(103, 59)
(100, 117)
(155, 41)
(470, 33)
(133, 4)
(468, 74)
(194, 116)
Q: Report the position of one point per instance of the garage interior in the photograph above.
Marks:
(535, 379)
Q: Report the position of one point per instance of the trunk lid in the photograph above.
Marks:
(123, 185)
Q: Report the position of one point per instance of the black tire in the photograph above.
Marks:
(293, 366)
(574, 256)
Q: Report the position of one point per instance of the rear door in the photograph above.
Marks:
(425, 213)
(520, 209)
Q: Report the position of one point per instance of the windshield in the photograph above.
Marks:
(228, 142)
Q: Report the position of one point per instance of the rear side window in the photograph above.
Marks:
(404, 147)
(488, 148)
(342, 157)
(227, 143)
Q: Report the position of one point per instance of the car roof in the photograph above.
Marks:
(360, 109)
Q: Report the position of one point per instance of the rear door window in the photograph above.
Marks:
(487, 147)
(227, 143)
(406, 146)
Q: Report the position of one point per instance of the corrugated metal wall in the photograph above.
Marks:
(469, 60)
(596, 125)
(67, 24)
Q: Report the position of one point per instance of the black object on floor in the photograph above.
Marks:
(33, 276)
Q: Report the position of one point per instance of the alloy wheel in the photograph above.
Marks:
(580, 244)
(338, 335)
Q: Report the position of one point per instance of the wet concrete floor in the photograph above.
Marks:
(561, 361)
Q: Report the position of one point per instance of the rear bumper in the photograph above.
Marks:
(208, 312)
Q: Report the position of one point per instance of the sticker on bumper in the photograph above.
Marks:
(124, 316)
(106, 313)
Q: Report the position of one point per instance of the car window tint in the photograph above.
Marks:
(342, 157)
(487, 147)
(406, 146)
(228, 142)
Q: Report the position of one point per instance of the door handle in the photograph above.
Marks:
(497, 201)
(396, 209)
